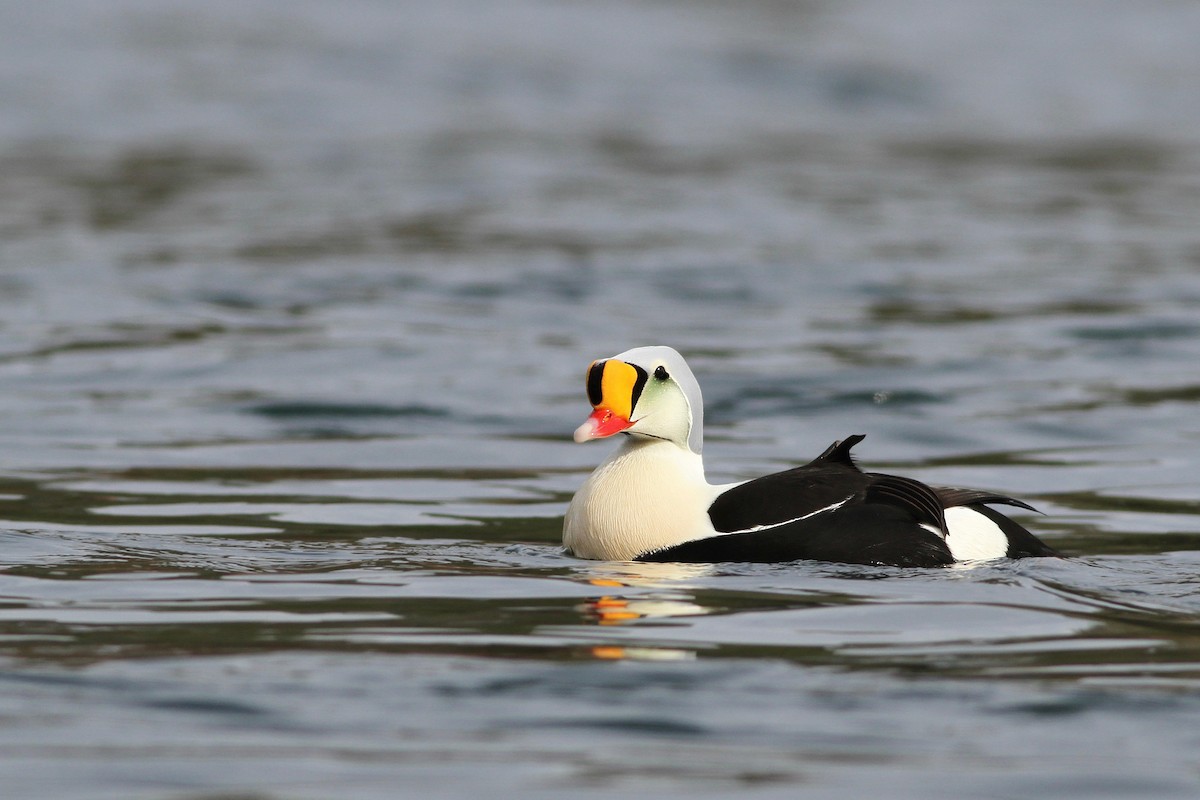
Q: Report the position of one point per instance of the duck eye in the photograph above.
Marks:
(660, 373)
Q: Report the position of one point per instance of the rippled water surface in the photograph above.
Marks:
(295, 303)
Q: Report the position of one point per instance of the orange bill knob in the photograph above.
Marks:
(613, 389)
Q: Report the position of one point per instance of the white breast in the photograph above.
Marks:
(648, 495)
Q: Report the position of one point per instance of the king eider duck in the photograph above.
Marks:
(649, 501)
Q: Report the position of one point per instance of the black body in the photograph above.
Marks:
(878, 518)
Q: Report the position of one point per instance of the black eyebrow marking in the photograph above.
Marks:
(594, 377)
(638, 385)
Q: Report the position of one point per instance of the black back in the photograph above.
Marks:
(874, 533)
(830, 510)
(828, 479)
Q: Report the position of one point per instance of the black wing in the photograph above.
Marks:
(828, 479)
(830, 510)
(827, 510)
(969, 497)
(862, 533)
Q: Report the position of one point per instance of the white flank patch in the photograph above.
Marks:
(973, 537)
(757, 528)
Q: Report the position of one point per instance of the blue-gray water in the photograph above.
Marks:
(295, 303)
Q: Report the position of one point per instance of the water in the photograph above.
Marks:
(295, 303)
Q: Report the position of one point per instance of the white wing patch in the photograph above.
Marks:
(973, 537)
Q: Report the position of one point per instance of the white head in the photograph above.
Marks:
(646, 391)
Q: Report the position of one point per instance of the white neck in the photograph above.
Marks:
(649, 494)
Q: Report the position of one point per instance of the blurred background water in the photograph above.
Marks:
(295, 303)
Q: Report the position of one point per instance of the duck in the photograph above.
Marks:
(650, 500)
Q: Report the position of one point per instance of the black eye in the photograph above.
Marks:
(661, 373)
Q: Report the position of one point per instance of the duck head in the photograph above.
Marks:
(646, 392)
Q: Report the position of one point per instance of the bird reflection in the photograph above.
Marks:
(669, 595)
(637, 573)
(635, 591)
